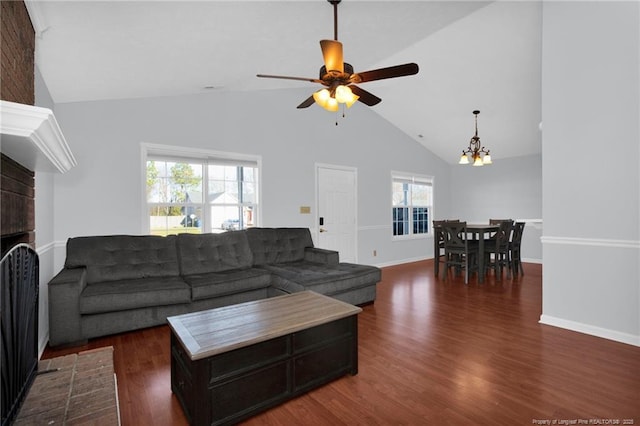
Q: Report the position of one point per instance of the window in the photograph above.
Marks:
(412, 204)
(174, 196)
(200, 194)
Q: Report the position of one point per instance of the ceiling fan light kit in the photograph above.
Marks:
(339, 79)
(475, 151)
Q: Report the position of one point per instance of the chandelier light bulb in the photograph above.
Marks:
(321, 96)
(331, 105)
(344, 94)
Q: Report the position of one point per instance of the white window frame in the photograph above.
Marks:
(149, 151)
(413, 179)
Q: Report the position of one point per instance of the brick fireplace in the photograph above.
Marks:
(31, 141)
(17, 43)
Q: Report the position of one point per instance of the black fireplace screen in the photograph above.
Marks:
(19, 324)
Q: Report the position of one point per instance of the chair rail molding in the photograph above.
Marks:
(598, 242)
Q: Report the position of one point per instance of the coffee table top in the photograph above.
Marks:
(219, 330)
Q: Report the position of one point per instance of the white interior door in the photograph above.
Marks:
(337, 204)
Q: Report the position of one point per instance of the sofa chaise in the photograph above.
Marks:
(117, 283)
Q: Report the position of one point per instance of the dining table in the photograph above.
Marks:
(477, 232)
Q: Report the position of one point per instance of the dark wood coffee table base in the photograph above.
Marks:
(228, 387)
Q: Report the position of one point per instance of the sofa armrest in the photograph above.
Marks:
(318, 255)
(64, 306)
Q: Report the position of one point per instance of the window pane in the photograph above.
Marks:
(249, 174)
(401, 194)
(231, 188)
(230, 172)
(421, 195)
(185, 181)
(400, 221)
(165, 220)
(248, 192)
(249, 215)
(170, 182)
(420, 220)
(226, 218)
(216, 188)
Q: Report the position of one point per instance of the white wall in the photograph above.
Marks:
(103, 194)
(45, 243)
(509, 188)
(591, 182)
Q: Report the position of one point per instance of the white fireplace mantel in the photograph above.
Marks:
(32, 137)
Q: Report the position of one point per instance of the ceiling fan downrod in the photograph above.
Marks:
(335, 17)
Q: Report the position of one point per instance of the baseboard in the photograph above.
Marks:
(419, 259)
(42, 344)
(605, 333)
(402, 261)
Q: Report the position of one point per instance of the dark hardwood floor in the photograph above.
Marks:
(430, 352)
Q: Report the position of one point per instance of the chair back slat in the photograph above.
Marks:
(518, 230)
(503, 235)
(455, 235)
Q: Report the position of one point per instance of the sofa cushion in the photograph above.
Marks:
(131, 294)
(204, 253)
(118, 257)
(278, 245)
(214, 284)
(321, 278)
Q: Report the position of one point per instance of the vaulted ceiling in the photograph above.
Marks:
(472, 55)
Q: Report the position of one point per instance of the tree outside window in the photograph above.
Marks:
(174, 196)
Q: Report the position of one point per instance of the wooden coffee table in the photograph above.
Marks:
(230, 363)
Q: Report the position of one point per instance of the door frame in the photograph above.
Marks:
(316, 228)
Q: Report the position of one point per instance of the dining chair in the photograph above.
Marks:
(438, 236)
(497, 250)
(459, 252)
(498, 222)
(438, 246)
(514, 248)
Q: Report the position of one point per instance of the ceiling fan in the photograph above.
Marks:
(339, 78)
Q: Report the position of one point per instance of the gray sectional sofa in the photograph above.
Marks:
(112, 284)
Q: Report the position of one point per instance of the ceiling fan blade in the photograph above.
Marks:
(382, 73)
(332, 54)
(366, 98)
(307, 102)
(312, 80)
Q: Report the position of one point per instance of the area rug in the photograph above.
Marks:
(78, 389)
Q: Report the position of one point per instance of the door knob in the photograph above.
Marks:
(323, 230)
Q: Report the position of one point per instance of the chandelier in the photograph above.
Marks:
(475, 152)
